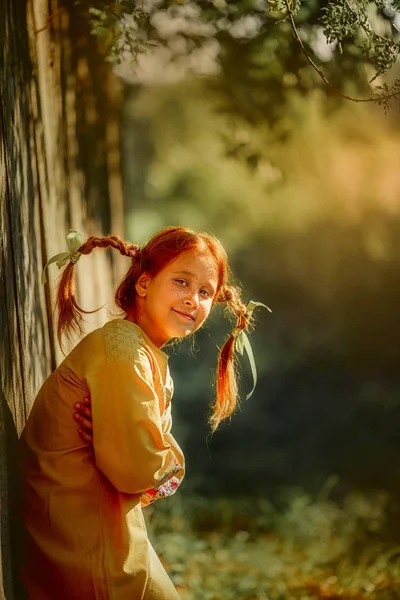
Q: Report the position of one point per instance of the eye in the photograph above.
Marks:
(205, 293)
(181, 282)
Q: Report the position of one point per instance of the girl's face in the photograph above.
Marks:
(177, 301)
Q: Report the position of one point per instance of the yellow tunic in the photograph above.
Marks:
(85, 537)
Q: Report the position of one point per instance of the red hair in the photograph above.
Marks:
(161, 250)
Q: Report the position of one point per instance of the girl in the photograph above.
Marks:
(84, 533)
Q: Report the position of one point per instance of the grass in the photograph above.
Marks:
(248, 549)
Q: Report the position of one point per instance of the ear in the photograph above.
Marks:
(142, 284)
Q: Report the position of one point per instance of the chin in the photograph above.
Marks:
(182, 333)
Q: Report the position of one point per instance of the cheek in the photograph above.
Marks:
(205, 310)
(175, 293)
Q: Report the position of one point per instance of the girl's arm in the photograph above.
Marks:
(83, 416)
(132, 448)
(168, 487)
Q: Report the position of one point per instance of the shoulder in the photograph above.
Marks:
(125, 342)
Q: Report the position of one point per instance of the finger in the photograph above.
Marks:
(85, 436)
(85, 424)
(84, 411)
(87, 401)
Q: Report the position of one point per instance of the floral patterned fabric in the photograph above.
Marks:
(167, 487)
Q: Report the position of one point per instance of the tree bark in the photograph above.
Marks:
(59, 169)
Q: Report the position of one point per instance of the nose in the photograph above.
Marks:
(192, 299)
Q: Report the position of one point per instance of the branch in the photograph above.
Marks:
(322, 74)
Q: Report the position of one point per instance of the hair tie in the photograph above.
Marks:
(242, 343)
(74, 242)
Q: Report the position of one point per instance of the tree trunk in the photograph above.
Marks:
(59, 168)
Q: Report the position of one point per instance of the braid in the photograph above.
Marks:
(69, 311)
(227, 388)
(232, 296)
(110, 241)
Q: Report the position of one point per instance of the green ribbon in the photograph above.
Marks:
(74, 242)
(242, 343)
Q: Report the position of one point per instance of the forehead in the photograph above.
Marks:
(200, 265)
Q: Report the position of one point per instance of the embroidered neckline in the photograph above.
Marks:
(144, 338)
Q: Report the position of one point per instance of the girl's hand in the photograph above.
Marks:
(83, 416)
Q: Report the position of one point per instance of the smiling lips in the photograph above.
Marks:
(187, 316)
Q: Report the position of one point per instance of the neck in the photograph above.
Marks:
(136, 315)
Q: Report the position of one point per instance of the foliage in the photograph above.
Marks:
(342, 19)
(251, 42)
(249, 549)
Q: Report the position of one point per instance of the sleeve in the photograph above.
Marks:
(132, 447)
(172, 482)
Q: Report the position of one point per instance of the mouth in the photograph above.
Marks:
(186, 315)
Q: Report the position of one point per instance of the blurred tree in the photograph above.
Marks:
(256, 51)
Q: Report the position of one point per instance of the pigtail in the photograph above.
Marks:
(69, 312)
(227, 372)
(227, 388)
